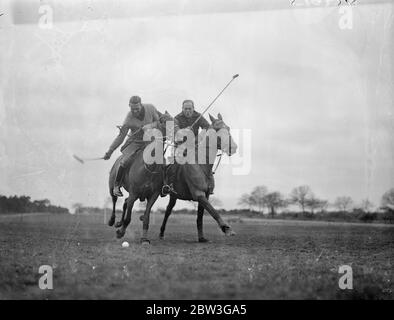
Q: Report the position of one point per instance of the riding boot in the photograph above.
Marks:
(118, 182)
(167, 184)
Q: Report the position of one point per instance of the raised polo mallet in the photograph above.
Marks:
(213, 101)
(82, 160)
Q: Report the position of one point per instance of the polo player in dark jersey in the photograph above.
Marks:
(187, 118)
(141, 117)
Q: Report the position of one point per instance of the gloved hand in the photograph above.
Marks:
(107, 155)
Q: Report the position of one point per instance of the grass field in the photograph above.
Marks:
(267, 259)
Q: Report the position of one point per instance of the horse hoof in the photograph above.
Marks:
(145, 241)
(118, 224)
(161, 237)
(111, 221)
(203, 240)
(119, 233)
(228, 231)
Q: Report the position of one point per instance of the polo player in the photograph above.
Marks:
(190, 119)
(188, 116)
(142, 116)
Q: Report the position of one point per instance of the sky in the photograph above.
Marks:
(313, 104)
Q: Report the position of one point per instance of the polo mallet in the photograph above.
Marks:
(82, 160)
(213, 101)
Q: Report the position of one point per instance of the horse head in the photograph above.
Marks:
(164, 117)
(225, 140)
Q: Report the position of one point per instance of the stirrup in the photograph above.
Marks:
(117, 192)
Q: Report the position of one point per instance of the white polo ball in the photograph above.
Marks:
(125, 244)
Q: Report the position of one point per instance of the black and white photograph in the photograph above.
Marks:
(196, 150)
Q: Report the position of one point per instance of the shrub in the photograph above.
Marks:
(367, 216)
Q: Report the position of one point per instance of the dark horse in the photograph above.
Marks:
(191, 182)
(142, 182)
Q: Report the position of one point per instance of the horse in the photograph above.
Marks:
(191, 182)
(142, 182)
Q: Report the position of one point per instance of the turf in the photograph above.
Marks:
(267, 259)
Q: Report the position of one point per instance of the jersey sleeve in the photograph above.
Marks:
(124, 129)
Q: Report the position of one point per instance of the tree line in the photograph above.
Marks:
(303, 197)
(24, 204)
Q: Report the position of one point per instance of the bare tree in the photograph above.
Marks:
(274, 200)
(300, 196)
(246, 200)
(315, 204)
(387, 203)
(366, 205)
(388, 199)
(258, 197)
(343, 203)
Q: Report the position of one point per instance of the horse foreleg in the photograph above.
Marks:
(111, 220)
(120, 223)
(130, 202)
(169, 208)
(145, 225)
(207, 206)
(200, 214)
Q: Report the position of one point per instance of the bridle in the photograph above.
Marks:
(219, 156)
